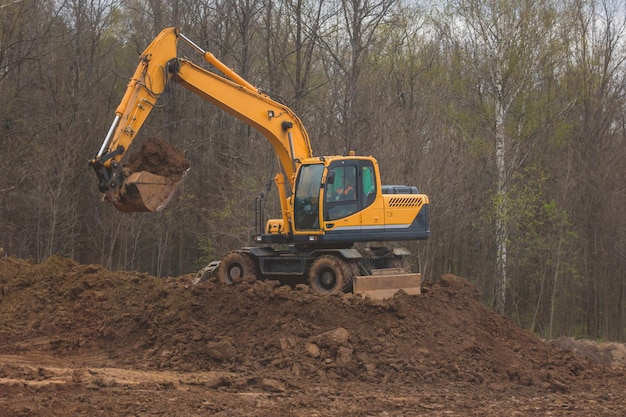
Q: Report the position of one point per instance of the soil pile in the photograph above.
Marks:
(159, 157)
(285, 341)
(610, 354)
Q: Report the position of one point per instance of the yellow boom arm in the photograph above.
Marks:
(159, 64)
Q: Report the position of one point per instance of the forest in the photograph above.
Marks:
(509, 115)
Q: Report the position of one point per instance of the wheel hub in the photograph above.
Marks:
(327, 279)
(235, 272)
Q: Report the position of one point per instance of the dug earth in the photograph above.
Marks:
(79, 340)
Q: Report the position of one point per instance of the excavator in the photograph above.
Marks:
(337, 218)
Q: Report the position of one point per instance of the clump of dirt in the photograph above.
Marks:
(159, 157)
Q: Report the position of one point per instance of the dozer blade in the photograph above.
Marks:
(145, 191)
(385, 283)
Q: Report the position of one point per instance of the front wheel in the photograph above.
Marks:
(330, 275)
(236, 267)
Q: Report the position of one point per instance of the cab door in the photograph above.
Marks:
(306, 204)
(341, 192)
(371, 209)
(352, 209)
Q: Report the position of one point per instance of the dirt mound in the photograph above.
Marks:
(443, 335)
(159, 157)
(610, 354)
(134, 343)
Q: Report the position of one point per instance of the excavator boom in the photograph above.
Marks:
(158, 66)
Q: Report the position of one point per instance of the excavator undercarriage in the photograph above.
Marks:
(373, 272)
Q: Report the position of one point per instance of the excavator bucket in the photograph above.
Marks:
(384, 283)
(144, 191)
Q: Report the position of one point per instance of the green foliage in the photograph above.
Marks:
(208, 251)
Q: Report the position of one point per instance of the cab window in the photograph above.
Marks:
(341, 194)
(369, 183)
(306, 203)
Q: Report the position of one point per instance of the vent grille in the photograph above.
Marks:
(405, 201)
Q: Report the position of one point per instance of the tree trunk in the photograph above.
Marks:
(501, 237)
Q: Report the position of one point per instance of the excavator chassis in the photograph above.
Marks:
(328, 271)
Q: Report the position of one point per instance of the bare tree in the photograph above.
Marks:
(596, 67)
(506, 42)
(356, 29)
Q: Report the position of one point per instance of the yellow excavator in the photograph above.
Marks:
(328, 203)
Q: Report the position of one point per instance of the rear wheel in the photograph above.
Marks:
(330, 275)
(236, 267)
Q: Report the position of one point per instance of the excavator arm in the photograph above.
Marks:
(159, 65)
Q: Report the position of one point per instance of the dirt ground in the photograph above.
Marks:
(79, 340)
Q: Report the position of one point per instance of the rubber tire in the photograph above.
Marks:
(237, 267)
(329, 275)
